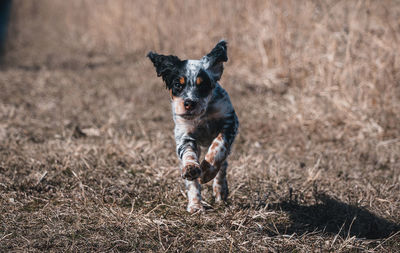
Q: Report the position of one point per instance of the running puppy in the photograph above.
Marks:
(203, 116)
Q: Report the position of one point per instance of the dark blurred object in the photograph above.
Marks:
(5, 7)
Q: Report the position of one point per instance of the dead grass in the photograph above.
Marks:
(87, 157)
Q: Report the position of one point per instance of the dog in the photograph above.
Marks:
(203, 116)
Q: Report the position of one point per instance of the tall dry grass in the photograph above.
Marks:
(342, 55)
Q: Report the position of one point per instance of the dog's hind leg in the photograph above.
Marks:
(193, 189)
(220, 184)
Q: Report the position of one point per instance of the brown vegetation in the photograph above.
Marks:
(87, 159)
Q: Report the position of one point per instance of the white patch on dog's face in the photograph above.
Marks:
(177, 105)
(193, 67)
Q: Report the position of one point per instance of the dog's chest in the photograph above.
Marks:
(207, 130)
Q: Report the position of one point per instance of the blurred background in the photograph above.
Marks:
(346, 51)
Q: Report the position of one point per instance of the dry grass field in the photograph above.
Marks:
(87, 154)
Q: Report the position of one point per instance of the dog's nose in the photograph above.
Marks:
(189, 104)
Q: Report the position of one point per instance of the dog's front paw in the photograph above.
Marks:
(208, 172)
(191, 172)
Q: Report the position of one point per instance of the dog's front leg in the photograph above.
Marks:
(188, 153)
(219, 150)
(216, 155)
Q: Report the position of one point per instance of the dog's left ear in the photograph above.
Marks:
(166, 65)
(213, 62)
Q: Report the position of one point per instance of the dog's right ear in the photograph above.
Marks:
(166, 65)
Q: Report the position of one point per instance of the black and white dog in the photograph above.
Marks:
(203, 116)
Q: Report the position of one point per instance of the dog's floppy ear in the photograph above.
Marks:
(166, 65)
(213, 62)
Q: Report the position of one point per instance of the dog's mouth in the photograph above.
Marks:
(188, 115)
(191, 115)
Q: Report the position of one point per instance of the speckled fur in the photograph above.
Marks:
(211, 122)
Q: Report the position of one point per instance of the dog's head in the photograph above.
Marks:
(191, 82)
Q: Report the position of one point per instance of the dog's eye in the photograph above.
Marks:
(178, 87)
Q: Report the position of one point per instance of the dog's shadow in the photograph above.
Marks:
(332, 216)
